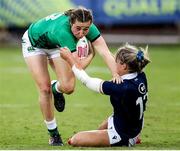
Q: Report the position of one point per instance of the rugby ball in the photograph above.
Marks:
(82, 48)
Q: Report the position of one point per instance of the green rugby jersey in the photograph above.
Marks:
(55, 31)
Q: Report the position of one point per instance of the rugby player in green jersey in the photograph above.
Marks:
(41, 45)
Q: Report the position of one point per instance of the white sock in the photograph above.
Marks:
(56, 87)
(51, 124)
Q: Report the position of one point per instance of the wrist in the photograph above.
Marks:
(115, 74)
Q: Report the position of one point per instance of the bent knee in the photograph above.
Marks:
(68, 88)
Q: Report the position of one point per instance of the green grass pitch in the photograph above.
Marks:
(21, 122)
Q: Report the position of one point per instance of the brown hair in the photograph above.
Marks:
(135, 58)
(80, 14)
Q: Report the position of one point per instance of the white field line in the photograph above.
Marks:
(98, 70)
(16, 105)
(15, 70)
(20, 106)
(12, 106)
(76, 105)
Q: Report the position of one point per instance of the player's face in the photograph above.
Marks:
(80, 29)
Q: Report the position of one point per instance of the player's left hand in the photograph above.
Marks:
(65, 53)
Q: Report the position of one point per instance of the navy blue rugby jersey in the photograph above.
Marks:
(129, 102)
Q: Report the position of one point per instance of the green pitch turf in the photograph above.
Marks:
(21, 122)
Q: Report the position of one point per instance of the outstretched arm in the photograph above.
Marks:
(101, 47)
(92, 83)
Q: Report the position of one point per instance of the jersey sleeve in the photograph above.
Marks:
(93, 33)
(110, 88)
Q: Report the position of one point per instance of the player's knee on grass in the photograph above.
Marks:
(78, 140)
(74, 141)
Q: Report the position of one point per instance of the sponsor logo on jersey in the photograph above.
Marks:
(142, 88)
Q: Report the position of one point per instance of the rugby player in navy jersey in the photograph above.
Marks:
(128, 99)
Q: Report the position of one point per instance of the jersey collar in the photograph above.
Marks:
(129, 76)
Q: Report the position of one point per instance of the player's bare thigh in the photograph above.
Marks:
(64, 74)
(38, 67)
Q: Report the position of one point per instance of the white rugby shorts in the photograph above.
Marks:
(28, 50)
(114, 137)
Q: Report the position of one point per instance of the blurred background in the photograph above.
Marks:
(135, 21)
